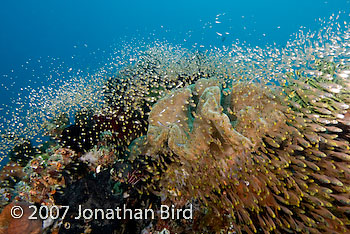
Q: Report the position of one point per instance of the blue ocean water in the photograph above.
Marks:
(38, 37)
(34, 29)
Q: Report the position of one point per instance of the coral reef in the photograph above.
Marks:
(255, 141)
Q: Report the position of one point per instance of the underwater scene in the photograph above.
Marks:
(155, 117)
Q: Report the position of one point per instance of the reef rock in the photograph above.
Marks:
(10, 225)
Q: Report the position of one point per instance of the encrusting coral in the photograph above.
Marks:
(258, 158)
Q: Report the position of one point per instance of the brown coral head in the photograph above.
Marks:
(11, 225)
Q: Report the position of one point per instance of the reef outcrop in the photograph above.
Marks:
(258, 158)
